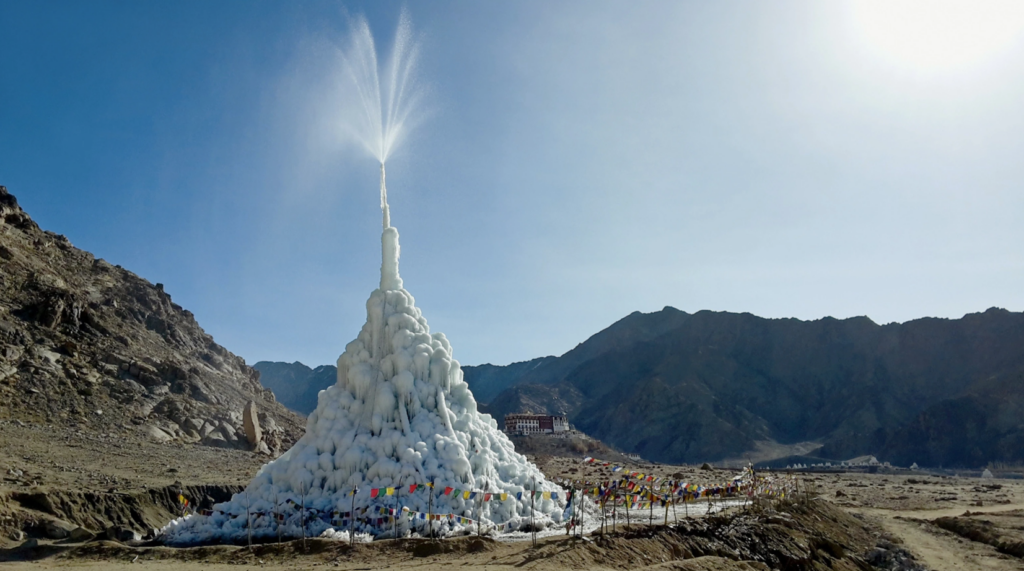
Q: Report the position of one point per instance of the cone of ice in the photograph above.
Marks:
(400, 415)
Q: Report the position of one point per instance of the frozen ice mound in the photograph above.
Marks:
(399, 415)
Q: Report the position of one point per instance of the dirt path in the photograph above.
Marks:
(938, 549)
(937, 513)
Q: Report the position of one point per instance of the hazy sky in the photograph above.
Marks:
(577, 161)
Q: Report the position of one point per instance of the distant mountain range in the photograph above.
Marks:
(679, 387)
(295, 385)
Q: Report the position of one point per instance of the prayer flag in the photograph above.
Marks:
(374, 492)
(504, 497)
(412, 488)
(465, 495)
(447, 490)
(391, 491)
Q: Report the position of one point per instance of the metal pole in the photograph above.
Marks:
(394, 518)
(248, 521)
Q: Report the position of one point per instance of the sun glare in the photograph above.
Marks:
(939, 35)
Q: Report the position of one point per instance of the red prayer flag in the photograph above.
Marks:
(374, 492)
(412, 488)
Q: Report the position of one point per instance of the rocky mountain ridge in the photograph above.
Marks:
(674, 386)
(87, 344)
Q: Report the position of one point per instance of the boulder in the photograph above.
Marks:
(251, 422)
(81, 535)
(121, 534)
(215, 439)
(208, 427)
(57, 529)
(158, 434)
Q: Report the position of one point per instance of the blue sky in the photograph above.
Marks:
(576, 161)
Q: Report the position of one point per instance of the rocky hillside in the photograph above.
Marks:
(677, 387)
(488, 381)
(90, 345)
(296, 385)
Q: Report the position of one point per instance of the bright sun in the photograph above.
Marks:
(939, 35)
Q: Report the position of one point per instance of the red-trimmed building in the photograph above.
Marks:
(526, 423)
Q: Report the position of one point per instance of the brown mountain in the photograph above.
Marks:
(677, 387)
(90, 345)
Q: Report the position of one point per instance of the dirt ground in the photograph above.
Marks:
(946, 523)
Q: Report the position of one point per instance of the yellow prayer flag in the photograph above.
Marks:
(390, 492)
(465, 495)
(546, 495)
(504, 497)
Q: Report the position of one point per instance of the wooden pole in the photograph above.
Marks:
(627, 510)
(302, 513)
(352, 518)
(248, 521)
(615, 506)
(430, 517)
(394, 518)
(533, 503)
(579, 524)
(480, 508)
(277, 521)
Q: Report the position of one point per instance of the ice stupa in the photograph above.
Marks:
(398, 436)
